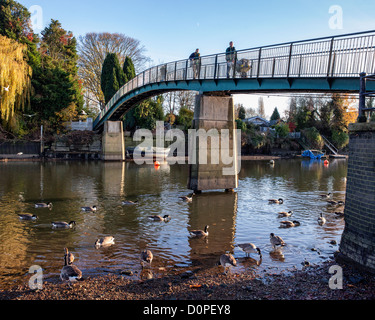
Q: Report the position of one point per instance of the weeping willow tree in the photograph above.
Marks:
(15, 81)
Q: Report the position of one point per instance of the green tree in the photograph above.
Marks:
(282, 130)
(57, 89)
(111, 71)
(129, 70)
(145, 114)
(275, 115)
(185, 117)
(242, 113)
(15, 21)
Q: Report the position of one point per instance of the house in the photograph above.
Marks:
(258, 121)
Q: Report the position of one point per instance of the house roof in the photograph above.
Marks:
(257, 120)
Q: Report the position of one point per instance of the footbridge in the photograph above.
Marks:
(330, 64)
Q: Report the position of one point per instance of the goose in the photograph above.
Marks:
(129, 203)
(43, 205)
(276, 241)
(339, 214)
(146, 258)
(27, 216)
(336, 203)
(160, 218)
(70, 272)
(227, 261)
(289, 224)
(328, 195)
(68, 256)
(249, 248)
(106, 241)
(321, 219)
(187, 199)
(286, 214)
(200, 233)
(63, 225)
(89, 209)
(276, 201)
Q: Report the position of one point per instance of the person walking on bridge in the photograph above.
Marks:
(230, 56)
(195, 62)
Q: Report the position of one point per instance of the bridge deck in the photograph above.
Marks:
(331, 64)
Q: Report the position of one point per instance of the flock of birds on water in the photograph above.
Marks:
(71, 273)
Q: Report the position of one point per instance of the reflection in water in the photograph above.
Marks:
(239, 217)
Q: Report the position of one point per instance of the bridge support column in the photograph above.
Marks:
(213, 155)
(358, 240)
(113, 144)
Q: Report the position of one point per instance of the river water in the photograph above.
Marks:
(242, 216)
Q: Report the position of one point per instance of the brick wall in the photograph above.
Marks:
(358, 239)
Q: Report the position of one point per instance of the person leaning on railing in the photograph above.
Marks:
(230, 56)
(195, 62)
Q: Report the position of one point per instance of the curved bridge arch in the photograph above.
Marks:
(330, 64)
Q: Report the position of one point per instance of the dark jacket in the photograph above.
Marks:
(230, 53)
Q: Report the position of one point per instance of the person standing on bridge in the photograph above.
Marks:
(230, 56)
(195, 59)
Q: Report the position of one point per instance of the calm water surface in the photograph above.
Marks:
(243, 216)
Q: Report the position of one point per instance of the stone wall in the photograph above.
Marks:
(358, 239)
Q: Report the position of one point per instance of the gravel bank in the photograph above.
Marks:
(311, 283)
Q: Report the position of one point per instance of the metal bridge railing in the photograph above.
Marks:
(338, 56)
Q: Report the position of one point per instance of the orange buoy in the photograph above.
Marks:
(326, 162)
(157, 164)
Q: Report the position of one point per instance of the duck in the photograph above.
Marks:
(286, 214)
(89, 209)
(321, 219)
(63, 225)
(160, 218)
(129, 203)
(28, 216)
(289, 224)
(328, 195)
(70, 272)
(249, 248)
(227, 261)
(200, 233)
(104, 242)
(187, 199)
(43, 205)
(146, 258)
(276, 241)
(276, 201)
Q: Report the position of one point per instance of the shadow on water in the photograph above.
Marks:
(241, 216)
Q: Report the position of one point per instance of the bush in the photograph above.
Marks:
(340, 139)
(314, 138)
(282, 130)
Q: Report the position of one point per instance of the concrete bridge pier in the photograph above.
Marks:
(358, 240)
(113, 144)
(213, 150)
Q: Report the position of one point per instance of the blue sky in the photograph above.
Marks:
(171, 30)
